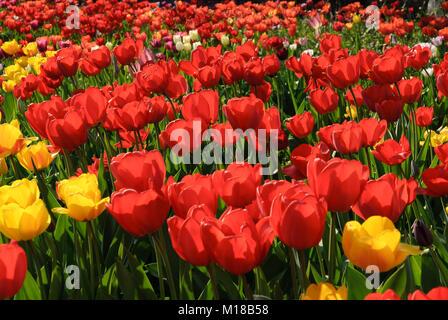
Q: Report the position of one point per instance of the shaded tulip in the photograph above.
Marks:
(192, 190)
(23, 215)
(339, 181)
(387, 69)
(82, 197)
(324, 101)
(375, 242)
(13, 266)
(442, 84)
(262, 91)
(271, 64)
(387, 196)
(436, 181)
(324, 291)
(442, 152)
(422, 234)
(424, 116)
(138, 170)
(298, 217)
(12, 140)
(358, 96)
(186, 237)
(302, 155)
(235, 242)
(244, 113)
(68, 131)
(92, 103)
(237, 184)
(301, 125)
(391, 152)
(36, 156)
(254, 72)
(139, 213)
(347, 138)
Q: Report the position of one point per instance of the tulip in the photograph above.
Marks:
(10, 47)
(410, 90)
(373, 131)
(235, 242)
(387, 196)
(12, 140)
(81, 196)
(298, 217)
(301, 125)
(387, 69)
(389, 294)
(36, 157)
(126, 52)
(442, 84)
(244, 113)
(302, 155)
(139, 213)
(424, 116)
(422, 234)
(153, 78)
(192, 190)
(262, 91)
(344, 72)
(267, 192)
(203, 104)
(442, 152)
(391, 152)
(186, 238)
(330, 42)
(23, 215)
(436, 181)
(347, 138)
(137, 170)
(357, 99)
(271, 65)
(324, 101)
(93, 104)
(13, 264)
(254, 72)
(375, 242)
(183, 136)
(439, 293)
(324, 291)
(339, 181)
(237, 184)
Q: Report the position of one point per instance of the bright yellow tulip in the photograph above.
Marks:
(8, 85)
(375, 242)
(324, 291)
(12, 140)
(30, 49)
(82, 197)
(23, 215)
(3, 166)
(11, 47)
(36, 154)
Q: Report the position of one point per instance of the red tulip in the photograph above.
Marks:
(358, 96)
(298, 217)
(13, 267)
(138, 170)
(439, 293)
(442, 84)
(389, 294)
(301, 125)
(126, 52)
(436, 181)
(301, 67)
(424, 116)
(302, 155)
(192, 190)
(68, 61)
(254, 72)
(209, 76)
(339, 181)
(183, 136)
(417, 57)
(373, 131)
(235, 242)
(348, 138)
(330, 42)
(267, 192)
(324, 101)
(391, 152)
(134, 115)
(244, 113)
(325, 134)
(153, 78)
(139, 213)
(186, 238)
(262, 91)
(410, 90)
(93, 104)
(387, 69)
(271, 64)
(232, 67)
(344, 72)
(237, 184)
(67, 131)
(366, 58)
(383, 100)
(203, 104)
(387, 196)
(442, 152)
(158, 109)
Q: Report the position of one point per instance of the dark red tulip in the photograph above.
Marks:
(263, 91)
(158, 109)
(387, 196)
(339, 181)
(391, 152)
(298, 217)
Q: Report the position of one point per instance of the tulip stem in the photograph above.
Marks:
(161, 244)
(356, 104)
(211, 273)
(437, 263)
(159, 268)
(292, 263)
(38, 267)
(95, 247)
(14, 167)
(92, 262)
(68, 162)
(303, 265)
(332, 247)
(172, 105)
(247, 291)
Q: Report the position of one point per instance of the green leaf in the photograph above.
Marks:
(61, 226)
(125, 281)
(56, 284)
(207, 292)
(30, 290)
(356, 284)
(396, 282)
(416, 269)
(144, 286)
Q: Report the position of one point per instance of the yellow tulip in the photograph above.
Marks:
(11, 47)
(36, 62)
(8, 85)
(349, 26)
(3, 166)
(82, 197)
(375, 242)
(30, 49)
(23, 215)
(356, 19)
(36, 154)
(12, 140)
(22, 61)
(350, 112)
(50, 54)
(324, 291)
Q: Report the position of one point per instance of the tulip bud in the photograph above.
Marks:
(415, 170)
(179, 46)
(194, 35)
(422, 234)
(176, 38)
(187, 47)
(225, 40)
(196, 44)
(186, 39)
(109, 45)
